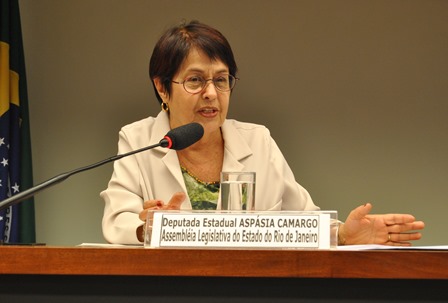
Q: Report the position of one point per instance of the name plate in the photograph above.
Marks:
(237, 229)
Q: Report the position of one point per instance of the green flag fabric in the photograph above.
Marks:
(17, 222)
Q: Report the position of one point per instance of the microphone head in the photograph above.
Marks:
(183, 136)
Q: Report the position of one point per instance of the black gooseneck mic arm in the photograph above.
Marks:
(177, 139)
(59, 178)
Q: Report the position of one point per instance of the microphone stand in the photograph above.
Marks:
(59, 178)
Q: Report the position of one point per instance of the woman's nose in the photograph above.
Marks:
(209, 89)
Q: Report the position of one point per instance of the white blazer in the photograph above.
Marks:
(156, 174)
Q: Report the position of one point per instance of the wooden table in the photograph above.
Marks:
(87, 274)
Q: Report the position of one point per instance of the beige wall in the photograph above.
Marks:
(354, 92)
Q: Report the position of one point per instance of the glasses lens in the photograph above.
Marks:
(194, 84)
(223, 83)
(232, 81)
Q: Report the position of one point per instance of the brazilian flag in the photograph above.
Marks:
(17, 223)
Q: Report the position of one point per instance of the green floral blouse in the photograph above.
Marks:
(203, 195)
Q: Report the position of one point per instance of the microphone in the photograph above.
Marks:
(182, 137)
(177, 139)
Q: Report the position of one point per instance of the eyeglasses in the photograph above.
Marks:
(196, 84)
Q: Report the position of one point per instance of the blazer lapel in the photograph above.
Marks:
(169, 158)
(235, 148)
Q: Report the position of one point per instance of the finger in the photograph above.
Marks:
(406, 227)
(143, 215)
(361, 211)
(418, 225)
(152, 203)
(404, 237)
(149, 205)
(176, 200)
(390, 219)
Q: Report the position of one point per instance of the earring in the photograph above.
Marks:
(165, 107)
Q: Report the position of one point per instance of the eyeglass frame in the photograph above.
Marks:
(205, 83)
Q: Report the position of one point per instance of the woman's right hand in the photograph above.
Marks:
(175, 202)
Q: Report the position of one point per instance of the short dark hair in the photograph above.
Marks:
(175, 45)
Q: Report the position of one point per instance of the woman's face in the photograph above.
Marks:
(210, 106)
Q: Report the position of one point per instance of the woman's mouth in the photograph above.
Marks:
(208, 112)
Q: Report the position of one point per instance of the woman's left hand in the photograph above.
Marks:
(388, 229)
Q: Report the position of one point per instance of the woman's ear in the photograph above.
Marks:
(160, 90)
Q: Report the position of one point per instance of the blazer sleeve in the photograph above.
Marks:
(294, 196)
(123, 198)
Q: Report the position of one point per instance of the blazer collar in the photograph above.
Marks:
(236, 148)
(169, 156)
(160, 129)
